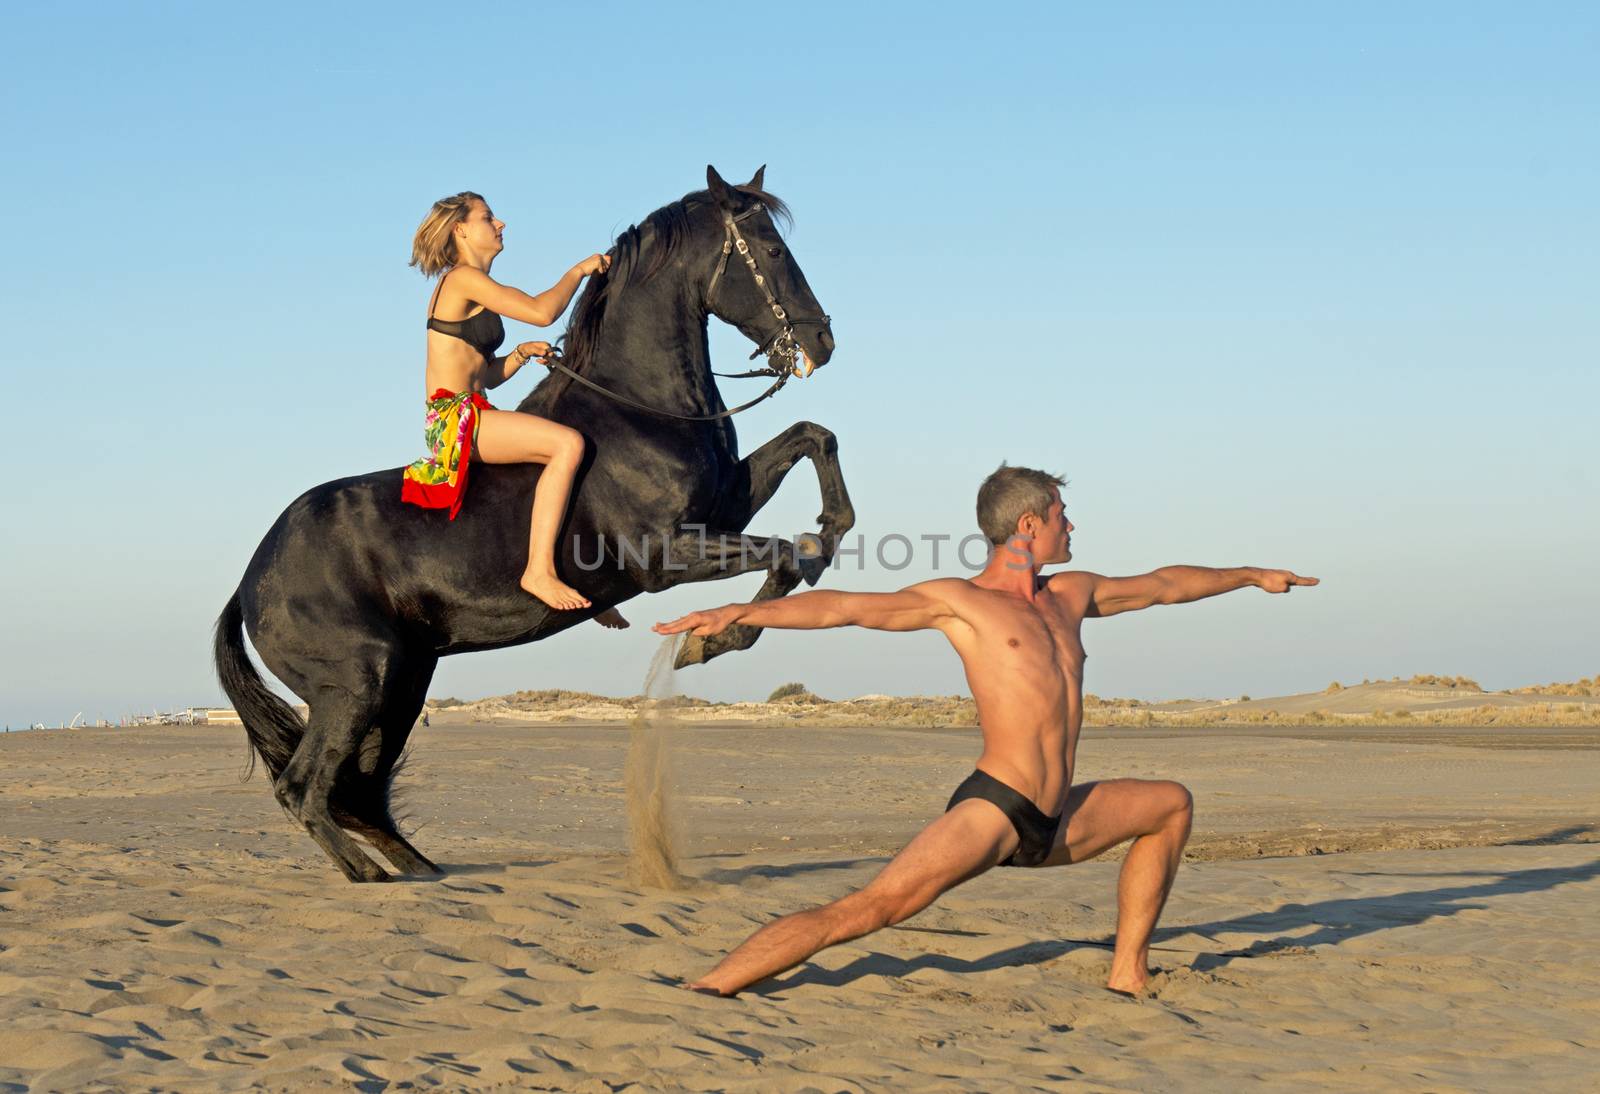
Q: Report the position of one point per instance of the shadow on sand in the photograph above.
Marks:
(1338, 921)
(1576, 833)
(452, 869)
(794, 869)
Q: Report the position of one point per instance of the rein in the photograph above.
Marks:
(552, 361)
(782, 351)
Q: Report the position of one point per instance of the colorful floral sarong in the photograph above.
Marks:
(439, 481)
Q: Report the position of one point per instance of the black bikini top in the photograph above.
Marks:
(482, 330)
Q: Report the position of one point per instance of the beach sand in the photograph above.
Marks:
(1427, 923)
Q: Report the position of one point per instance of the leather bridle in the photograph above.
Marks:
(781, 346)
(783, 352)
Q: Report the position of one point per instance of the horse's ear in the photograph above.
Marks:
(755, 182)
(719, 189)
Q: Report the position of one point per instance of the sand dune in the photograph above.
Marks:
(162, 925)
(1393, 696)
(1381, 702)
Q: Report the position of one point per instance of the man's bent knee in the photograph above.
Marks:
(1180, 808)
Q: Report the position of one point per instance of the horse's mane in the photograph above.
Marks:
(639, 253)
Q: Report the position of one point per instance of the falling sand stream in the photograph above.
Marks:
(653, 823)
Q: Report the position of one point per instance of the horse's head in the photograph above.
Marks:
(755, 283)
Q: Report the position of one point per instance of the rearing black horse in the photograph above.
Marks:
(353, 596)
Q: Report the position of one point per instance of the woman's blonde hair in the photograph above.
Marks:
(434, 246)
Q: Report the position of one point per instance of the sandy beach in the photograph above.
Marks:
(1363, 909)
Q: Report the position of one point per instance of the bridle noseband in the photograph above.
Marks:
(783, 352)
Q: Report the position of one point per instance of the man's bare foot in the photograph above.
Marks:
(553, 591)
(1128, 984)
(612, 619)
(700, 987)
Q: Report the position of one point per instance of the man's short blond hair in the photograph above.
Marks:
(1010, 494)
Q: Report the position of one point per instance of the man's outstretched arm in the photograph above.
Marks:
(912, 609)
(1177, 585)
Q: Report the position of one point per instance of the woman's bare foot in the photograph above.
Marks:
(553, 591)
(612, 620)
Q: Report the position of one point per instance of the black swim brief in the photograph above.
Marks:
(1034, 829)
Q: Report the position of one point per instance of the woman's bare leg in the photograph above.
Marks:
(506, 436)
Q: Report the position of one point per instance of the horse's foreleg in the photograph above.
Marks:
(760, 474)
(697, 650)
(701, 555)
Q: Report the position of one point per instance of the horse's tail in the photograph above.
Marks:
(271, 724)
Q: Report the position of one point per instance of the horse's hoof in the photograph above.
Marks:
(692, 653)
(810, 557)
(737, 637)
(812, 569)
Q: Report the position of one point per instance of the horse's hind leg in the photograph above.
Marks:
(398, 850)
(363, 800)
(339, 720)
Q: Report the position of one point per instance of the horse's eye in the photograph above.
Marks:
(775, 252)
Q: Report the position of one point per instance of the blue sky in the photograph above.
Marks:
(1271, 286)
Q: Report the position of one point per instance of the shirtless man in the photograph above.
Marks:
(1019, 642)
